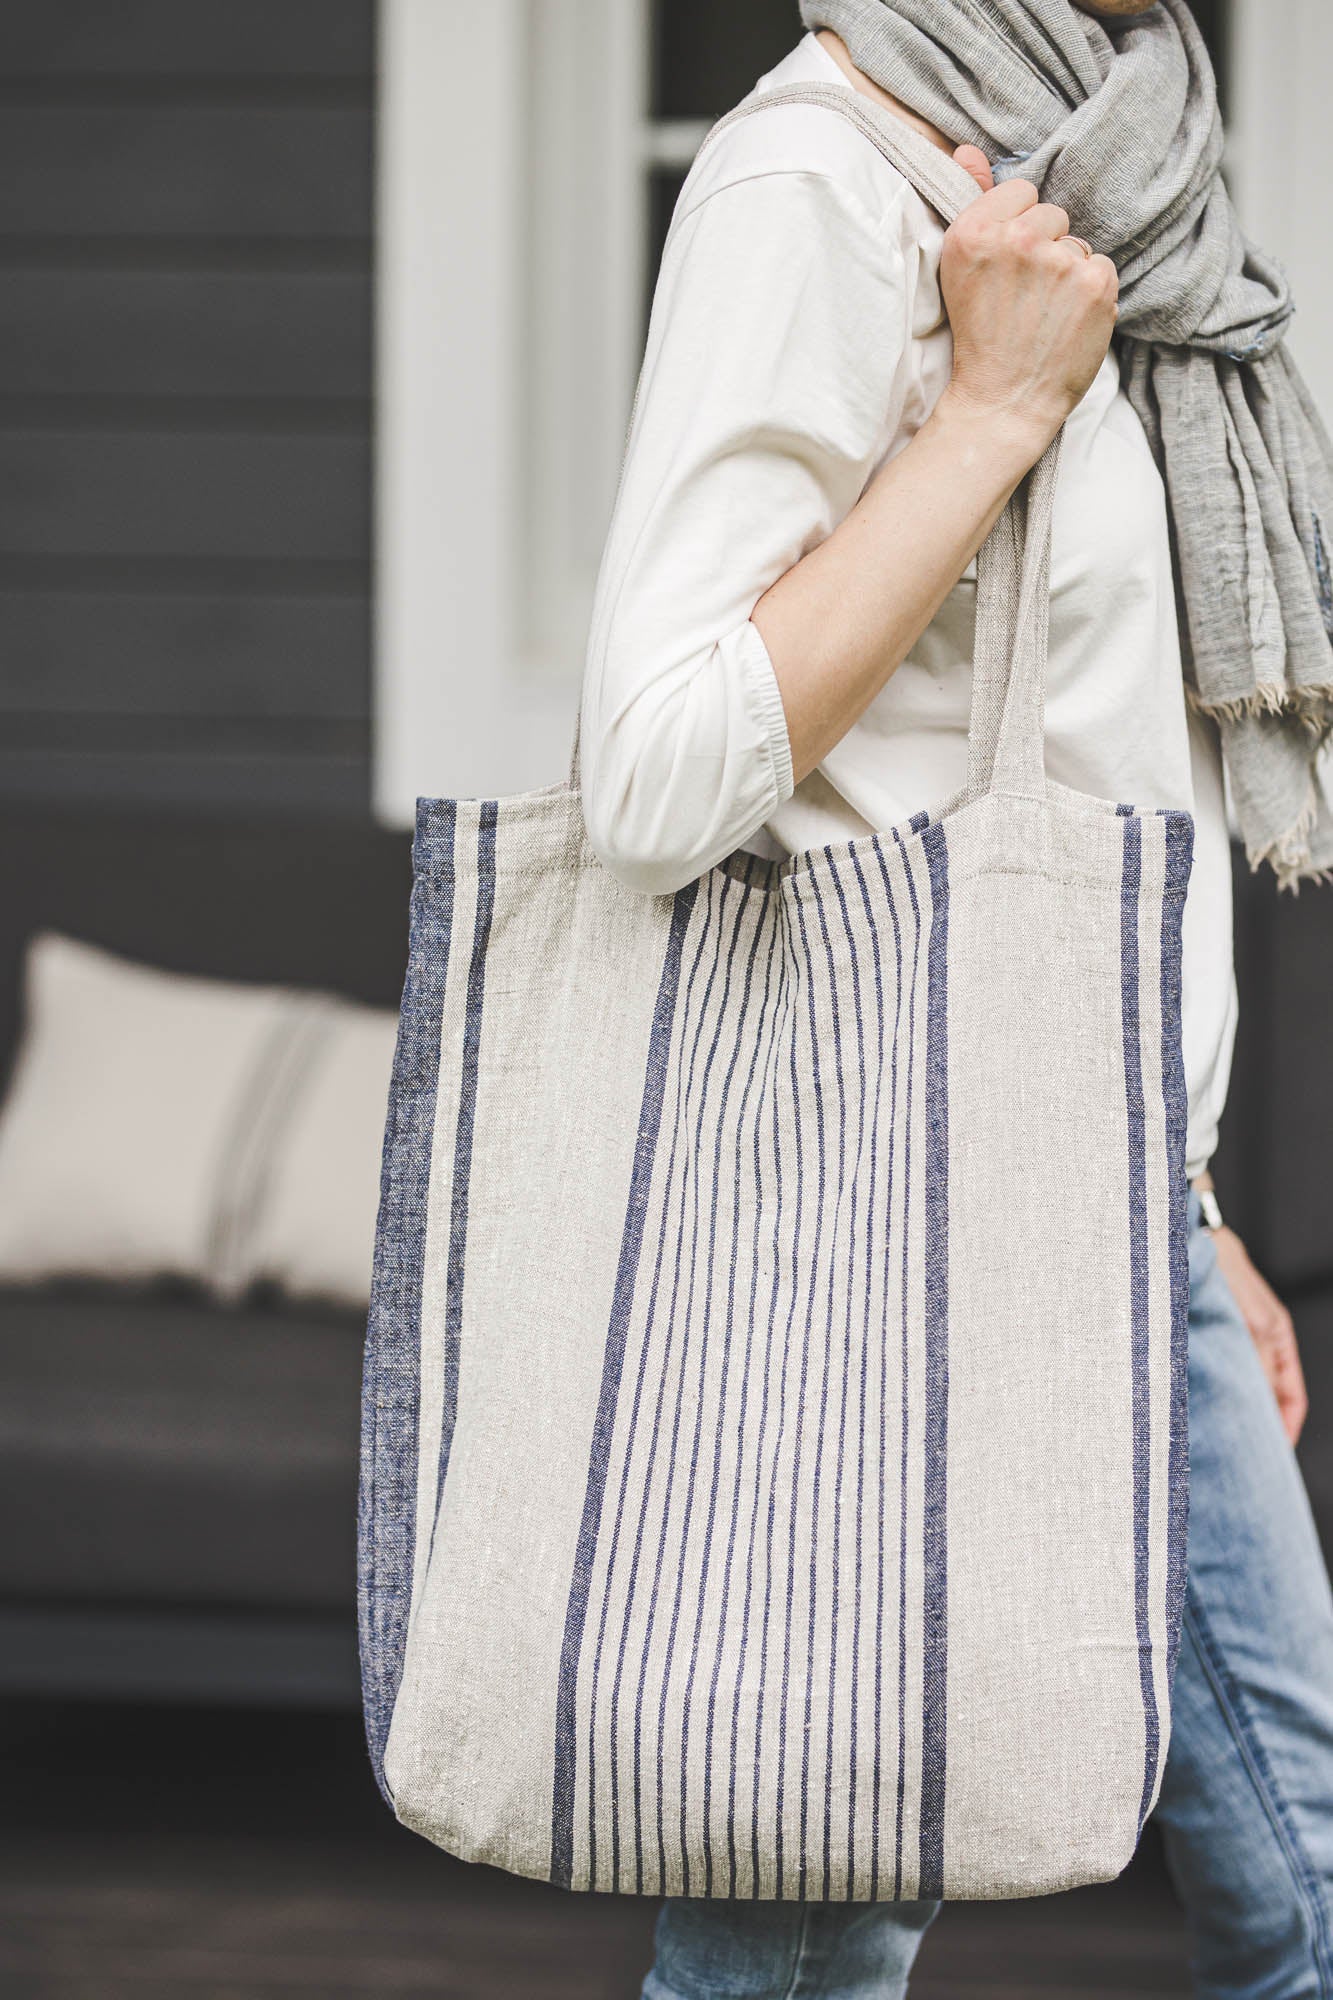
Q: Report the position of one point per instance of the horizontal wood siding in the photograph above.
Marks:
(246, 39)
(185, 383)
(251, 334)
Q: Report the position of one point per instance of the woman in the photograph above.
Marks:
(837, 399)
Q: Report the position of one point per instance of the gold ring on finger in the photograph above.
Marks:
(1082, 243)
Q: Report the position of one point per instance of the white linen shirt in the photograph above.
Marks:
(797, 341)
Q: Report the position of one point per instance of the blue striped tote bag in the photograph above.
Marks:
(774, 1454)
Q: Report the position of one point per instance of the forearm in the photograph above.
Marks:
(838, 623)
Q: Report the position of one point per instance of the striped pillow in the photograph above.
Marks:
(158, 1125)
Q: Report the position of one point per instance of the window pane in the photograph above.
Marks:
(708, 53)
(664, 184)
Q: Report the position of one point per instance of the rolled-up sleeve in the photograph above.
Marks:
(770, 374)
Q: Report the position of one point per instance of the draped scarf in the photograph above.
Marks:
(1117, 121)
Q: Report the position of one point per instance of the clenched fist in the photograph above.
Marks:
(1031, 310)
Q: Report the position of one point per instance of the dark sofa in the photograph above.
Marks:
(178, 1481)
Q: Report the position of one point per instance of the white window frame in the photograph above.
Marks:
(1279, 61)
(512, 176)
(1276, 171)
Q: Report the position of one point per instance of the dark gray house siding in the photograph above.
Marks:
(185, 382)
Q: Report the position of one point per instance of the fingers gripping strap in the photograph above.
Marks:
(1005, 728)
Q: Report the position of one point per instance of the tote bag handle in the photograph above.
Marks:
(1005, 738)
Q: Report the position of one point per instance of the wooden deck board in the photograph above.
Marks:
(215, 1855)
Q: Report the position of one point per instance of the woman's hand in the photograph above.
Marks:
(1032, 319)
(1031, 316)
(1270, 1328)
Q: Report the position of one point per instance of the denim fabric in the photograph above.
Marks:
(1247, 1796)
(784, 1951)
(1246, 1806)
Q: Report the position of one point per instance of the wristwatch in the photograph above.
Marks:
(1209, 1209)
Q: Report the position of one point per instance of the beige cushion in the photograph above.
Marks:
(164, 1125)
(315, 1230)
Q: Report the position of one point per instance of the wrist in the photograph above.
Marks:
(995, 430)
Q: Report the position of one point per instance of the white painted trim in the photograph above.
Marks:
(1276, 169)
(672, 142)
(1280, 59)
(585, 215)
(445, 323)
(510, 211)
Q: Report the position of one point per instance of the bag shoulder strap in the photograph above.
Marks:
(1006, 725)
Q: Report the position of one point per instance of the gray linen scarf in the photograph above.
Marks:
(1117, 122)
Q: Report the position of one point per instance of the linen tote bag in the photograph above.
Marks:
(773, 1476)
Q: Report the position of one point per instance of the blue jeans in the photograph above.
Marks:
(1246, 1806)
